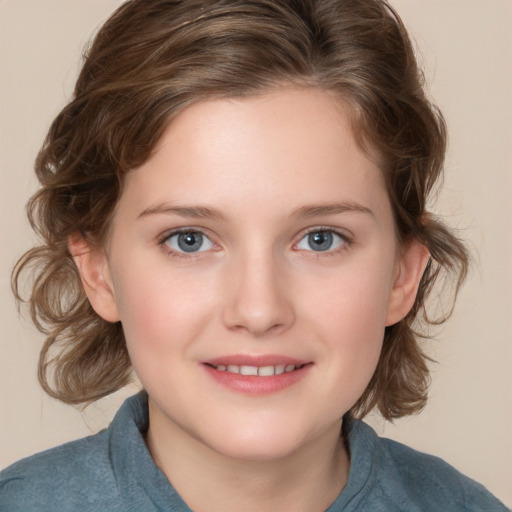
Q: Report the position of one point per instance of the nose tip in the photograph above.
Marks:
(258, 301)
(257, 323)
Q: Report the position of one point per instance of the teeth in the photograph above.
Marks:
(261, 371)
(266, 371)
(248, 370)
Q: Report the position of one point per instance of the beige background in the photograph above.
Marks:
(467, 48)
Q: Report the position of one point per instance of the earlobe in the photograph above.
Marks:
(411, 266)
(94, 272)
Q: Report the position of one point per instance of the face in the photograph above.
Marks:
(252, 263)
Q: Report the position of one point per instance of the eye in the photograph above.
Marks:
(188, 241)
(321, 241)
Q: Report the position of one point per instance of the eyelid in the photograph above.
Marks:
(164, 237)
(342, 233)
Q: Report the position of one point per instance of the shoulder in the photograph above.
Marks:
(432, 480)
(43, 481)
(423, 482)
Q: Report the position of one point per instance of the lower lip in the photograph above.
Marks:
(252, 385)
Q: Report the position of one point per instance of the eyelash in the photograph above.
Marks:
(162, 242)
(347, 241)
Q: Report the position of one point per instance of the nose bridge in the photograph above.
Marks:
(258, 301)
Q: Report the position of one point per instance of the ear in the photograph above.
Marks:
(94, 271)
(410, 268)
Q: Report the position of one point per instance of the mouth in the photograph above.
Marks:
(257, 371)
(260, 375)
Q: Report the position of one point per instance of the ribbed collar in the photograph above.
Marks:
(135, 470)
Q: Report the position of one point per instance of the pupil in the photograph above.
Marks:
(190, 242)
(320, 241)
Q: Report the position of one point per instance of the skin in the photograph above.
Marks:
(246, 173)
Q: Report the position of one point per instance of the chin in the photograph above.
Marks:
(260, 441)
(263, 450)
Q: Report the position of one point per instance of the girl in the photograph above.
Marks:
(233, 206)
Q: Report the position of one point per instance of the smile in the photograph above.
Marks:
(260, 376)
(257, 371)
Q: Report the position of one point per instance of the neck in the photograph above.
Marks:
(308, 479)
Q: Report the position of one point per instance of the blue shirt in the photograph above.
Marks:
(113, 471)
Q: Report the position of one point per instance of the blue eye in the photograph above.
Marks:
(189, 241)
(321, 241)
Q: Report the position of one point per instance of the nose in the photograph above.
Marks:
(259, 300)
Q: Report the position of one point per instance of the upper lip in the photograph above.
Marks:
(256, 360)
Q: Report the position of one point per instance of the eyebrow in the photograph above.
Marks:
(314, 210)
(191, 212)
(204, 212)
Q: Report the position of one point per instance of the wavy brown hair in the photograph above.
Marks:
(149, 61)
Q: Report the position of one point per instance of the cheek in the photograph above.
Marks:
(355, 298)
(349, 315)
(161, 310)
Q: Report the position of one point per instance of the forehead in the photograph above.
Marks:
(284, 146)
